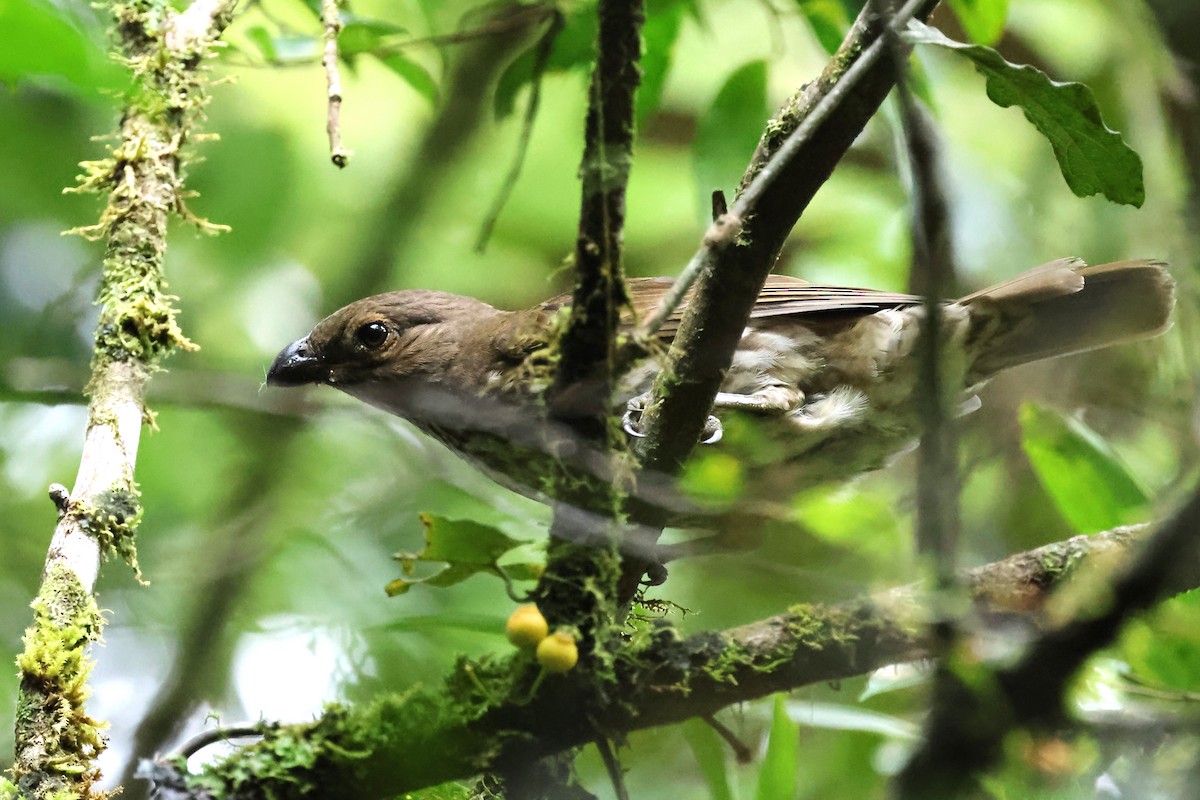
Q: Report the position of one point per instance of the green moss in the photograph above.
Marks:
(112, 518)
(57, 742)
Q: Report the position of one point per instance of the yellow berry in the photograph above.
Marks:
(557, 652)
(526, 626)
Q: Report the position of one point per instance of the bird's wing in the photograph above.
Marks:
(781, 296)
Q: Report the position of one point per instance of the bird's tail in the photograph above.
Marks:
(1068, 307)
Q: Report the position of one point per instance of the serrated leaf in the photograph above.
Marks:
(1090, 486)
(727, 134)
(709, 749)
(983, 20)
(465, 546)
(777, 778)
(828, 21)
(414, 75)
(1092, 158)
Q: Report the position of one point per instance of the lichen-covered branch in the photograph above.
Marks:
(484, 720)
(578, 587)
(142, 178)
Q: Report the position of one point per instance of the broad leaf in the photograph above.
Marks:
(728, 133)
(709, 750)
(1090, 486)
(1092, 158)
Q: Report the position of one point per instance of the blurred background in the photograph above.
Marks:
(271, 517)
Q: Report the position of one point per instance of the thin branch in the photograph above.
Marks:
(584, 378)
(332, 23)
(471, 76)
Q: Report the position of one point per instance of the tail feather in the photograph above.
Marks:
(1050, 312)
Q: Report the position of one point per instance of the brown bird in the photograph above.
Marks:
(830, 370)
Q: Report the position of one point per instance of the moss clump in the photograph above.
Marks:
(112, 518)
(56, 741)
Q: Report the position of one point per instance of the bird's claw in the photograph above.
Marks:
(712, 431)
(632, 418)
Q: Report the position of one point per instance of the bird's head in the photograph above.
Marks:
(376, 346)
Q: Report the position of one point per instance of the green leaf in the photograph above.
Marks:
(828, 21)
(1090, 486)
(777, 778)
(659, 33)
(709, 750)
(727, 134)
(466, 547)
(983, 20)
(1092, 158)
(414, 75)
(261, 38)
(573, 48)
(45, 40)
(360, 35)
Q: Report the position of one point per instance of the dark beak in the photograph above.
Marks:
(297, 365)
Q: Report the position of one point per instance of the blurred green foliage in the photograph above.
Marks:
(269, 528)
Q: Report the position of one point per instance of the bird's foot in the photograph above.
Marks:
(632, 419)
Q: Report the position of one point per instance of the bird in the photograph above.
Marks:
(828, 373)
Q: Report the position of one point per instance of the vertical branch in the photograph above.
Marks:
(583, 383)
(56, 741)
(332, 23)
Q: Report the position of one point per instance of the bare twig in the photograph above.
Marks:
(332, 23)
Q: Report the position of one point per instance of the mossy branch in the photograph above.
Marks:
(482, 719)
(142, 177)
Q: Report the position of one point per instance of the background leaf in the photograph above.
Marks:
(1087, 481)
(777, 776)
(727, 134)
(1092, 158)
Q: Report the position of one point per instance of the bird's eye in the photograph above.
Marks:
(372, 335)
